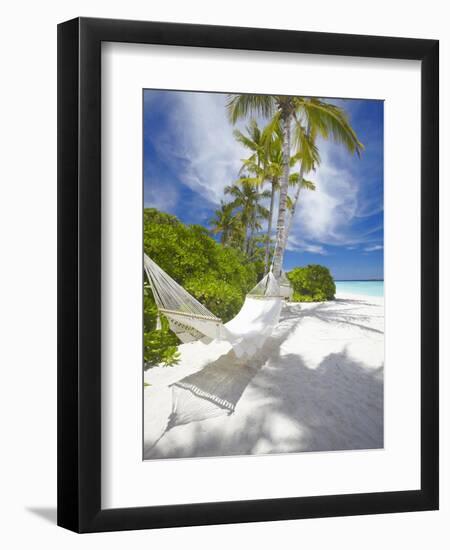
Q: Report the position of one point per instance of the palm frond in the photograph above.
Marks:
(329, 120)
(304, 142)
(289, 203)
(243, 105)
(244, 140)
(294, 178)
(307, 184)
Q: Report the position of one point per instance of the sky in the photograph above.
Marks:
(190, 156)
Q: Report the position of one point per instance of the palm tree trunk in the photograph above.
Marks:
(281, 222)
(297, 193)
(250, 242)
(246, 240)
(269, 230)
(252, 231)
(224, 237)
(294, 204)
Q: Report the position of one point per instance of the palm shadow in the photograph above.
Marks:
(329, 313)
(337, 406)
(223, 381)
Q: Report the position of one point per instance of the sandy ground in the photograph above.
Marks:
(317, 385)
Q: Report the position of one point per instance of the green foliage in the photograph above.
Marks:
(160, 346)
(312, 283)
(218, 276)
(223, 299)
(229, 225)
(188, 252)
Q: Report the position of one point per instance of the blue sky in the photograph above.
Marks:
(190, 155)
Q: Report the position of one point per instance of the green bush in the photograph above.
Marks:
(219, 277)
(220, 297)
(312, 283)
(188, 253)
(160, 346)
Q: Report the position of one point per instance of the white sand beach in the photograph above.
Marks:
(316, 385)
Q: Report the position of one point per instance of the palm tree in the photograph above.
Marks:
(226, 223)
(247, 199)
(318, 117)
(254, 166)
(274, 173)
(264, 164)
(254, 141)
(269, 167)
(281, 108)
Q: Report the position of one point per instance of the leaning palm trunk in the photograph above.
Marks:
(294, 206)
(246, 240)
(250, 241)
(297, 192)
(269, 230)
(281, 222)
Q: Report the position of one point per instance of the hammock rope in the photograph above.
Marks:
(190, 320)
(170, 296)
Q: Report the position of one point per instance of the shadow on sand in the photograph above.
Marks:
(336, 406)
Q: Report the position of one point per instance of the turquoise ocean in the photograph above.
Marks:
(368, 288)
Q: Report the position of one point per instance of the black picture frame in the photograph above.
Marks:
(79, 274)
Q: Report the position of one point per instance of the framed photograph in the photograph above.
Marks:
(248, 275)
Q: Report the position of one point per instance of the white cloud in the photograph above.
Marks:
(161, 195)
(199, 139)
(373, 248)
(324, 215)
(298, 245)
(331, 214)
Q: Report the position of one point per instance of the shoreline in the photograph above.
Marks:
(352, 295)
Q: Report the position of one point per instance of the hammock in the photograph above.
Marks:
(190, 320)
(219, 386)
(216, 389)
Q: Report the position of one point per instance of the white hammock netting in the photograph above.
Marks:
(190, 320)
(169, 295)
(267, 287)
